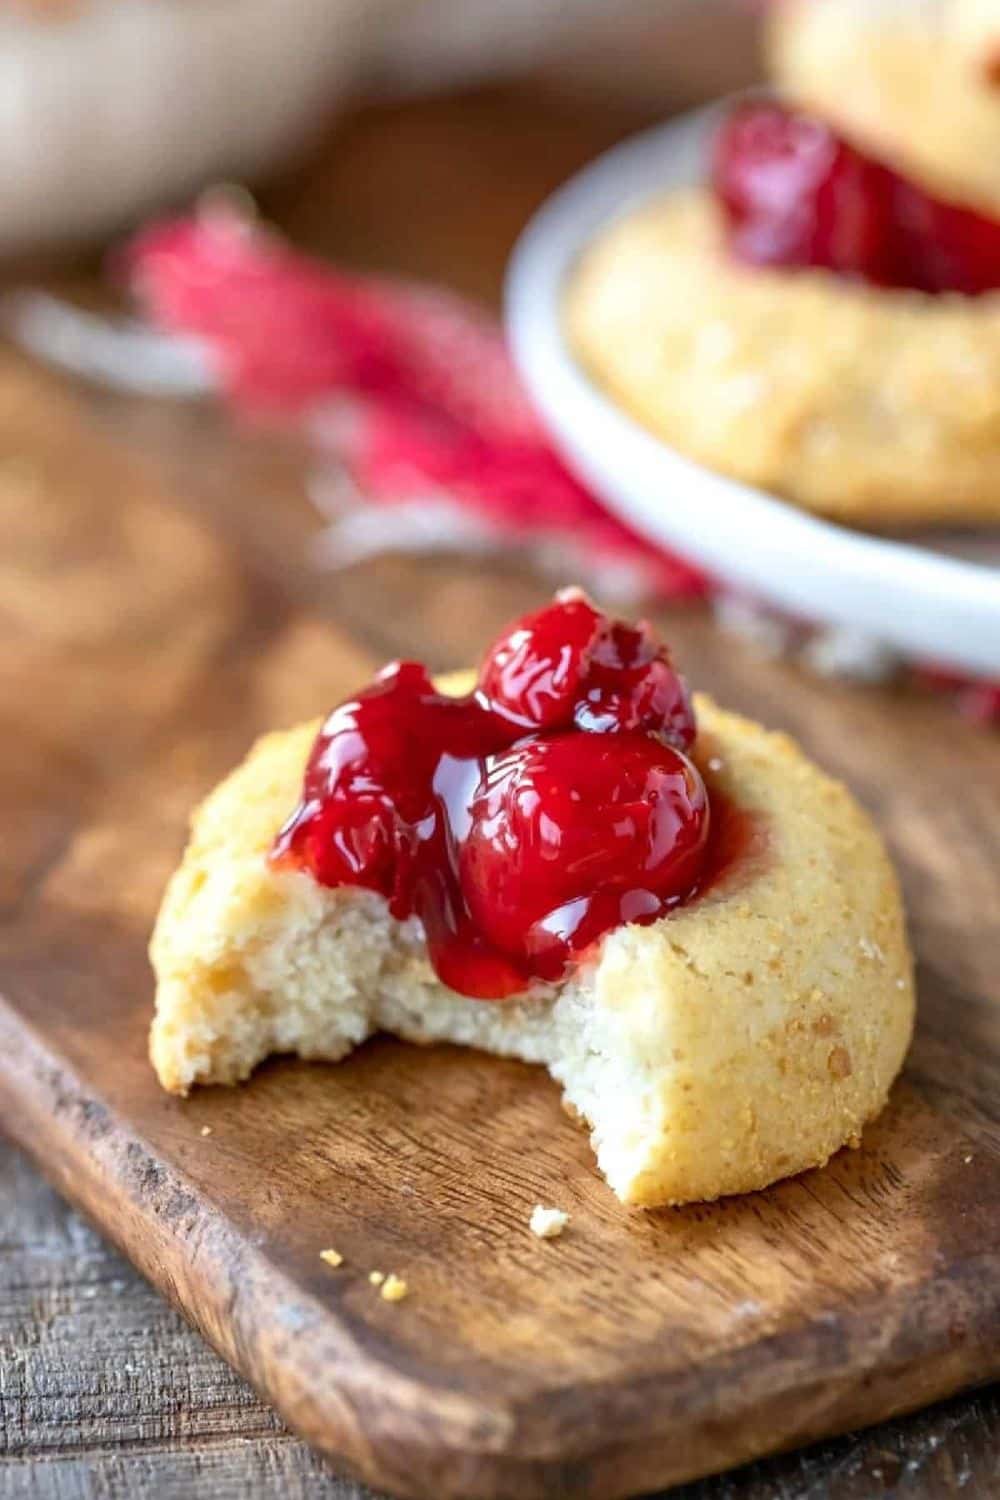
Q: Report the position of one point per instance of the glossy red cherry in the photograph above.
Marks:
(521, 823)
(632, 683)
(370, 775)
(532, 673)
(574, 834)
(794, 193)
(343, 842)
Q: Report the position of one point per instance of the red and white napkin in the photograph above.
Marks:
(407, 390)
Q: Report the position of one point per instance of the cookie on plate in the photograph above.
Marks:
(822, 320)
(874, 406)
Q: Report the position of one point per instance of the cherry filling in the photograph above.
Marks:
(574, 834)
(522, 822)
(795, 194)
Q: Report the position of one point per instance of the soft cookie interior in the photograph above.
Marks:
(745, 1037)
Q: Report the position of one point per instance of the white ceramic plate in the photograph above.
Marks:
(937, 601)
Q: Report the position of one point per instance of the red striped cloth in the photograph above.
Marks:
(427, 401)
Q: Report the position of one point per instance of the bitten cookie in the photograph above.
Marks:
(742, 1038)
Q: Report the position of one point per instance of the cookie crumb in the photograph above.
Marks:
(332, 1257)
(206, 1130)
(376, 1277)
(547, 1223)
(394, 1288)
(967, 1159)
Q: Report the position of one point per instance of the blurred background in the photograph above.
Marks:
(412, 139)
(111, 108)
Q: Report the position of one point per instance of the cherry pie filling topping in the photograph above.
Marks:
(524, 821)
(795, 194)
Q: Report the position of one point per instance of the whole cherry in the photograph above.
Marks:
(795, 193)
(576, 833)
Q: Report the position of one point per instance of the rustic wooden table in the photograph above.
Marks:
(103, 1390)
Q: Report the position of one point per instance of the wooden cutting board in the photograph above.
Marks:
(159, 610)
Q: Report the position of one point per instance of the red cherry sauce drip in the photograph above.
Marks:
(524, 821)
(795, 194)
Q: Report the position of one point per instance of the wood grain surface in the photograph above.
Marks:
(107, 1392)
(159, 608)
